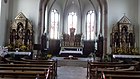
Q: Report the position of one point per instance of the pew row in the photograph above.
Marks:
(109, 74)
(21, 67)
(114, 66)
(52, 63)
(6, 72)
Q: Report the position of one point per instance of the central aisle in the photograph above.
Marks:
(71, 72)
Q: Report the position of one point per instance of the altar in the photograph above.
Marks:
(71, 43)
(70, 50)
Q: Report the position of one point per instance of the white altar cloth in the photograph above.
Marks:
(20, 53)
(126, 56)
(72, 52)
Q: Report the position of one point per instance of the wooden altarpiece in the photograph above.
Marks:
(123, 38)
(71, 43)
(21, 34)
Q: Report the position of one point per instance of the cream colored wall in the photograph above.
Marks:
(3, 22)
(139, 20)
(30, 8)
(116, 9)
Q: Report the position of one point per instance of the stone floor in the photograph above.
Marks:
(71, 72)
(71, 69)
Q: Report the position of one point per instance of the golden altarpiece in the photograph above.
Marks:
(123, 38)
(71, 43)
(21, 34)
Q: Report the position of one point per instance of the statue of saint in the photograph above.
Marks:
(72, 37)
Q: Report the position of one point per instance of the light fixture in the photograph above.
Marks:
(5, 1)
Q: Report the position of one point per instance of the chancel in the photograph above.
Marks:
(70, 39)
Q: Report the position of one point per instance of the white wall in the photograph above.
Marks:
(4, 20)
(30, 8)
(139, 20)
(116, 9)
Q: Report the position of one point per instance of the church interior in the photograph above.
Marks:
(73, 39)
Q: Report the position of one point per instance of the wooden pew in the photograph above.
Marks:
(53, 63)
(109, 74)
(32, 65)
(40, 61)
(25, 74)
(115, 66)
(21, 69)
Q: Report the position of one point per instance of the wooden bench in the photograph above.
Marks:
(41, 62)
(109, 74)
(114, 66)
(25, 72)
(30, 66)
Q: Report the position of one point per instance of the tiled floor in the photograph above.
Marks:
(71, 72)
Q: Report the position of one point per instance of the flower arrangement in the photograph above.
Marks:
(119, 50)
(23, 48)
(9, 46)
(134, 51)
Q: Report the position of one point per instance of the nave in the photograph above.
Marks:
(34, 69)
(71, 72)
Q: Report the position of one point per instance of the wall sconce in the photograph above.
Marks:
(5, 1)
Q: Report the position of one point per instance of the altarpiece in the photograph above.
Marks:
(123, 38)
(21, 34)
(71, 43)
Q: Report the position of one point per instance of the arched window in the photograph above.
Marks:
(0, 6)
(72, 21)
(90, 26)
(54, 24)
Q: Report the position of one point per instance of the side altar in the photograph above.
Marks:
(122, 41)
(20, 36)
(71, 43)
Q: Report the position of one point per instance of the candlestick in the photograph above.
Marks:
(120, 44)
(115, 44)
(129, 45)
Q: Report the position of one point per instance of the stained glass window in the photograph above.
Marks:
(90, 29)
(72, 21)
(54, 24)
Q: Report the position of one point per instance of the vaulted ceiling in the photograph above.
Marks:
(65, 4)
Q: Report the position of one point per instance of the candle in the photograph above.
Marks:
(129, 44)
(120, 44)
(115, 44)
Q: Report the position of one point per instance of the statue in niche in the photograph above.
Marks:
(20, 30)
(19, 36)
(131, 39)
(124, 35)
(116, 39)
(72, 37)
(124, 42)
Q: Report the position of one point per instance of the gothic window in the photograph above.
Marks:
(72, 21)
(54, 24)
(0, 6)
(90, 27)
